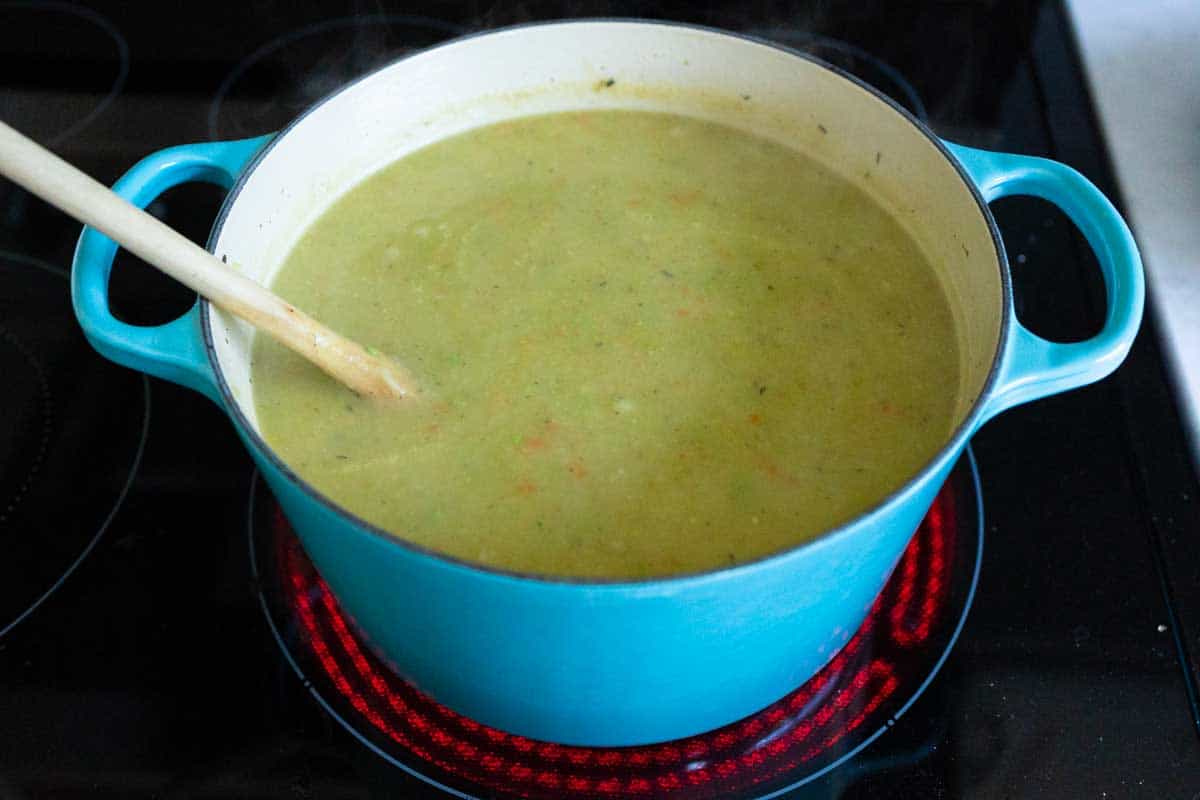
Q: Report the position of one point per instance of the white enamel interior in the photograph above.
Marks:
(563, 66)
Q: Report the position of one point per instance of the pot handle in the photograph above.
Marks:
(1031, 366)
(174, 350)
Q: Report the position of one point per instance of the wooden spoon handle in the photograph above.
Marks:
(62, 185)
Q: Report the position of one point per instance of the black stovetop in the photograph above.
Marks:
(135, 660)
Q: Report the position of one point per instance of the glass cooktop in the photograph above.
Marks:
(140, 552)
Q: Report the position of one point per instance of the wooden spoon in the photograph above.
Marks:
(64, 186)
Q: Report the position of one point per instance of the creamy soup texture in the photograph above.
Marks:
(647, 344)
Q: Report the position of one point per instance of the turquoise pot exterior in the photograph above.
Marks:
(606, 663)
(595, 663)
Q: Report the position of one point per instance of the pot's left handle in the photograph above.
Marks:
(174, 350)
(1034, 367)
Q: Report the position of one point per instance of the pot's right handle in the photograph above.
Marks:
(1033, 367)
(174, 350)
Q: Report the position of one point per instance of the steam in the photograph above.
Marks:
(283, 77)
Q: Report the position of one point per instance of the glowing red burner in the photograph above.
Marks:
(789, 736)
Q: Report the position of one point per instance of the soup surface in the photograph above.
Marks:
(647, 344)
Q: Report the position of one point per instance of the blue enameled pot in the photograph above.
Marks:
(594, 662)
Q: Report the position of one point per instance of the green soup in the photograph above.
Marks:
(647, 344)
